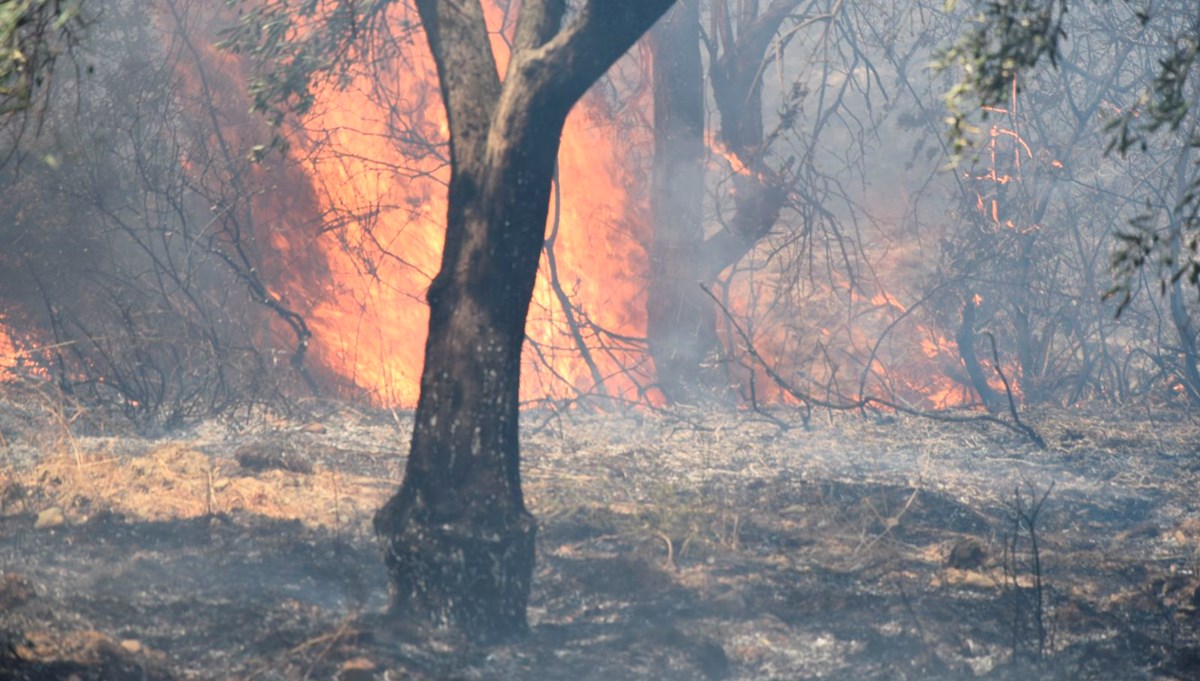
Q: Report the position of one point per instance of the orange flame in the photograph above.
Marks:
(369, 316)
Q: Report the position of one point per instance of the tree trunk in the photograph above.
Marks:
(681, 319)
(681, 322)
(458, 542)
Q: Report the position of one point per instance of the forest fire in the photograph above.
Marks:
(356, 228)
(377, 193)
(349, 230)
(612, 339)
(369, 318)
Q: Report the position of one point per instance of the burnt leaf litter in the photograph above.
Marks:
(698, 545)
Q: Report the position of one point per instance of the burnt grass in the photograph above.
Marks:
(698, 545)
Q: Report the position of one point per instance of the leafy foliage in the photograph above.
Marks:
(294, 44)
(33, 34)
(1006, 38)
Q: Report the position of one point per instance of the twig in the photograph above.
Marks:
(564, 300)
(1025, 519)
(850, 405)
(670, 548)
(889, 523)
(210, 495)
(1012, 404)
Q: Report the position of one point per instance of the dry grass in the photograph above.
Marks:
(773, 538)
(175, 481)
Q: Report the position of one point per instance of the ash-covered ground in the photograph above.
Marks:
(682, 545)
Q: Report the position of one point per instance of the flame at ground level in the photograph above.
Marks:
(8, 350)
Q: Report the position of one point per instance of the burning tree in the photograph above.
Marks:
(458, 542)
(681, 320)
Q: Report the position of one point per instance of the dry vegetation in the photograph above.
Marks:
(673, 546)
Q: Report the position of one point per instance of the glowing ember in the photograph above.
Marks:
(16, 355)
(717, 148)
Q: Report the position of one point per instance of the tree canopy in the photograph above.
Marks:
(33, 35)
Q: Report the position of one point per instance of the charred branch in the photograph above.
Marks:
(965, 340)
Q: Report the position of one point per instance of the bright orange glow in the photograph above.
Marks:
(8, 351)
(368, 314)
(718, 148)
(16, 354)
(353, 229)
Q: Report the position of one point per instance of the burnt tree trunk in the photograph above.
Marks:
(745, 34)
(681, 321)
(458, 542)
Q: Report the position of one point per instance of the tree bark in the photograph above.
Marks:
(458, 542)
(759, 194)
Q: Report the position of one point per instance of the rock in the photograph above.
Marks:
(51, 517)
(131, 645)
(259, 457)
(15, 591)
(706, 654)
(357, 669)
(967, 554)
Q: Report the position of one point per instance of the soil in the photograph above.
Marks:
(672, 545)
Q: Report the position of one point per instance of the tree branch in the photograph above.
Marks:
(575, 58)
(537, 23)
(848, 404)
(470, 85)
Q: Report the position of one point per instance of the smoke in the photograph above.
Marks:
(171, 262)
(133, 255)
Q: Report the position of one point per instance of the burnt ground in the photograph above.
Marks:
(672, 546)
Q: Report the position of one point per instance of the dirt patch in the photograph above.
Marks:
(672, 546)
